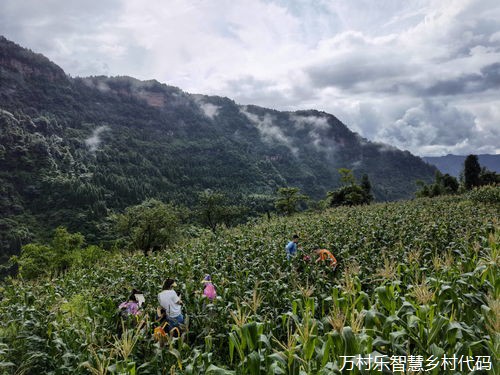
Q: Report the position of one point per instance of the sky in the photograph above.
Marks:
(421, 75)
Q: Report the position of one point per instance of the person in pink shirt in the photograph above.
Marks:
(209, 290)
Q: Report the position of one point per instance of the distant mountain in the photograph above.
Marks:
(454, 164)
(73, 150)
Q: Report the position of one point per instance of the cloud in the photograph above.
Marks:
(317, 128)
(432, 126)
(370, 64)
(95, 140)
(270, 132)
(210, 110)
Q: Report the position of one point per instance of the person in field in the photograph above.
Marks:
(209, 290)
(171, 304)
(130, 312)
(325, 256)
(291, 247)
(132, 306)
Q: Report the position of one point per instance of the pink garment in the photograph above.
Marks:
(209, 291)
(132, 308)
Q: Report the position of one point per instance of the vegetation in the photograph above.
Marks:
(443, 185)
(75, 150)
(66, 250)
(473, 175)
(351, 194)
(289, 200)
(151, 225)
(415, 278)
(472, 170)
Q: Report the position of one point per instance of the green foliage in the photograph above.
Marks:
(485, 194)
(443, 185)
(415, 278)
(472, 170)
(488, 177)
(75, 150)
(65, 250)
(350, 194)
(151, 225)
(347, 176)
(214, 210)
(289, 200)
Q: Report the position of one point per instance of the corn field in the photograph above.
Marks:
(416, 291)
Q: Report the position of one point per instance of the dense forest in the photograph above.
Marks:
(74, 151)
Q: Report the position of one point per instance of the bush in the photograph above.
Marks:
(65, 251)
(485, 194)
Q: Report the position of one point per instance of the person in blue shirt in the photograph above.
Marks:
(291, 247)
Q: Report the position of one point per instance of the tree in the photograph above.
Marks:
(347, 176)
(64, 245)
(350, 193)
(367, 187)
(488, 177)
(472, 170)
(289, 199)
(214, 210)
(150, 225)
(450, 184)
(443, 184)
(65, 250)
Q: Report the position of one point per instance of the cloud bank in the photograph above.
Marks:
(383, 68)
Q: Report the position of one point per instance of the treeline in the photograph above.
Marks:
(472, 176)
(154, 225)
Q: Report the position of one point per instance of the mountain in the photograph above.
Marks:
(74, 150)
(454, 164)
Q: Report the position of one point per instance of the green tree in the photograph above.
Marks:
(450, 184)
(64, 245)
(150, 225)
(347, 176)
(367, 187)
(350, 193)
(443, 184)
(64, 250)
(35, 260)
(488, 177)
(472, 170)
(214, 209)
(289, 199)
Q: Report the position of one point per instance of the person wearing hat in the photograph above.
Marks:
(209, 290)
(171, 303)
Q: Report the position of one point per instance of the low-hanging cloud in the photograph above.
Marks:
(270, 132)
(210, 110)
(95, 140)
(316, 127)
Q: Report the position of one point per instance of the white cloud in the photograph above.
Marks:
(270, 132)
(371, 64)
(95, 140)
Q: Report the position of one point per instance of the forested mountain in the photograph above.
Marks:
(454, 164)
(73, 150)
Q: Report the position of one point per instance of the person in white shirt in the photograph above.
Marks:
(171, 303)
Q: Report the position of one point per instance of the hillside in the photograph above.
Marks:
(416, 278)
(74, 150)
(454, 164)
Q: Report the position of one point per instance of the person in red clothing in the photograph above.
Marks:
(326, 256)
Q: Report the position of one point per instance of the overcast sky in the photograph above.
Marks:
(421, 75)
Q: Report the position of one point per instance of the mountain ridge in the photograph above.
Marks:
(454, 164)
(75, 150)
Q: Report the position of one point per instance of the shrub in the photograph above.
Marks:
(485, 194)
